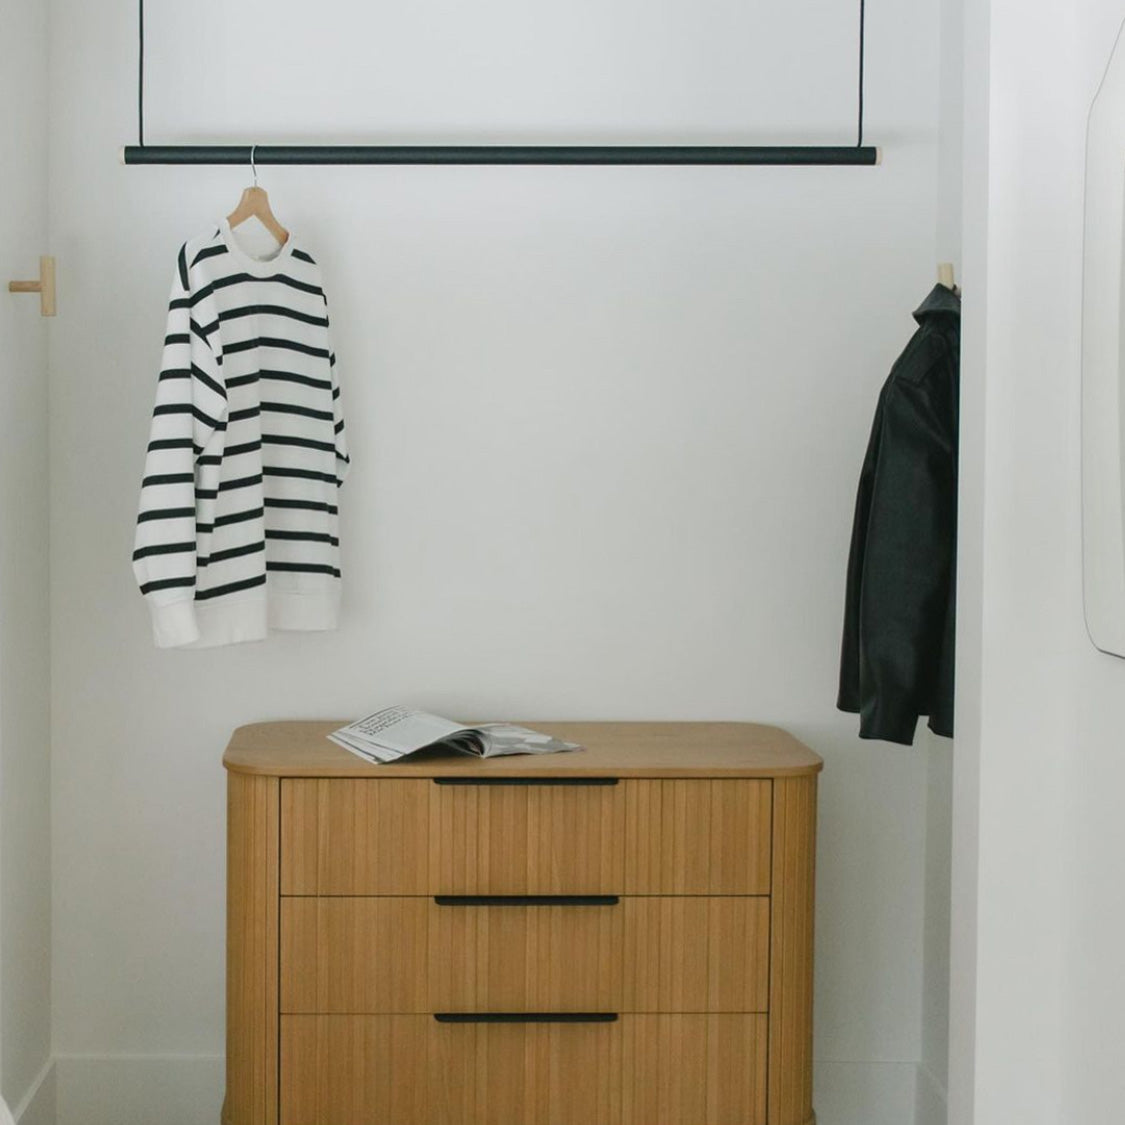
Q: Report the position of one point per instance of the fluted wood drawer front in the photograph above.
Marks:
(389, 954)
(413, 836)
(413, 1070)
(360, 837)
(697, 837)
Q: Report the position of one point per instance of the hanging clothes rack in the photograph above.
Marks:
(793, 155)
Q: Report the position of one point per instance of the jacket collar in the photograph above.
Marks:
(940, 300)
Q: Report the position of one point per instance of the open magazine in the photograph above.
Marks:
(394, 732)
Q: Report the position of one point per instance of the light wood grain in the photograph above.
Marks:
(697, 837)
(696, 954)
(252, 950)
(410, 955)
(791, 952)
(404, 836)
(526, 839)
(302, 749)
(343, 1070)
(410, 1070)
(694, 1070)
(340, 837)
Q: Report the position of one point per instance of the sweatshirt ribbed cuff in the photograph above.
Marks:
(174, 624)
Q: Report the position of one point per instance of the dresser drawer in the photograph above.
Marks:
(637, 1070)
(418, 836)
(391, 954)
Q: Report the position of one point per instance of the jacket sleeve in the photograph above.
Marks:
(906, 563)
(190, 411)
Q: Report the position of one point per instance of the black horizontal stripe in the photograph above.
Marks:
(335, 392)
(165, 514)
(238, 517)
(210, 459)
(304, 537)
(175, 373)
(280, 377)
(271, 310)
(240, 482)
(302, 505)
(206, 493)
(179, 303)
(344, 457)
(173, 443)
(339, 427)
(163, 549)
(237, 278)
(302, 474)
(303, 411)
(304, 257)
(198, 329)
(233, 553)
(243, 415)
(245, 447)
(274, 342)
(177, 338)
(207, 381)
(167, 584)
(208, 252)
(303, 568)
(294, 377)
(168, 478)
(230, 588)
(302, 443)
(190, 408)
(332, 359)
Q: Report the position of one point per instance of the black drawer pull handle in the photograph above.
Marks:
(526, 780)
(525, 1017)
(526, 900)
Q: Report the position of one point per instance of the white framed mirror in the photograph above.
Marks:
(1103, 364)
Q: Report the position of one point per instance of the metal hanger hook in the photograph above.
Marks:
(253, 166)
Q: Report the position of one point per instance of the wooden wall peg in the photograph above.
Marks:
(45, 286)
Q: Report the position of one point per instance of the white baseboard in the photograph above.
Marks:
(188, 1090)
(864, 1093)
(39, 1104)
(932, 1105)
(139, 1089)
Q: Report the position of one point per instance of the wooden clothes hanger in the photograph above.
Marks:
(255, 204)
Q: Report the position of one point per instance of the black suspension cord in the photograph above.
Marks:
(492, 154)
(862, 52)
(141, 76)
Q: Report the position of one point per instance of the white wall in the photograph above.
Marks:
(1039, 905)
(933, 1074)
(659, 381)
(25, 831)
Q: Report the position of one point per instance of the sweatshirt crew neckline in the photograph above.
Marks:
(247, 260)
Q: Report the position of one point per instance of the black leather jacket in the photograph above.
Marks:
(897, 659)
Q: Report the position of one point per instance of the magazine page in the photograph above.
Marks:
(394, 732)
(507, 738)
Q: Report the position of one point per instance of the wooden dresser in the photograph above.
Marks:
(621, 936)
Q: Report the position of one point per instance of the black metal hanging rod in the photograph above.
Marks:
(836, 155)
(498, 154)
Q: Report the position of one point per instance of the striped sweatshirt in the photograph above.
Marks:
(237, 531)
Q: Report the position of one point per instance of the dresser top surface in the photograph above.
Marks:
(302, 749)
